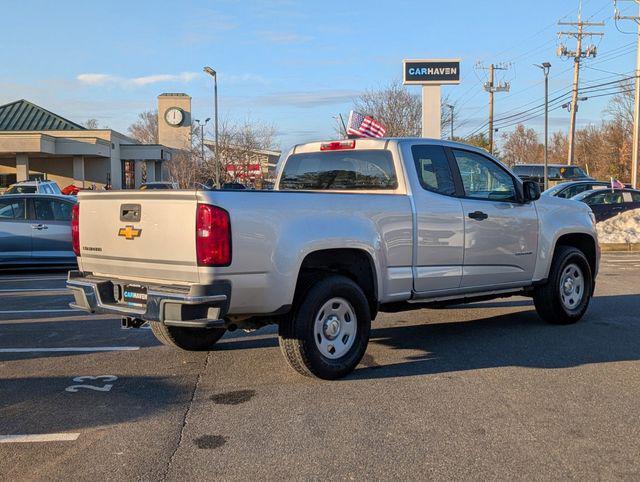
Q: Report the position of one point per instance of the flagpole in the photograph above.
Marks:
(344, 126)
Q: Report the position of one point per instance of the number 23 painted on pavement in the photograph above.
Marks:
(104, 378)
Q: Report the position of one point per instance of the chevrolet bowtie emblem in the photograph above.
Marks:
(129, 232)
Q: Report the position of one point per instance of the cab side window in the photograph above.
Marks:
(484, 179)
(433, 169)
(605, 197)
(52, 210)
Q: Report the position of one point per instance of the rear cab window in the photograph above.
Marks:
(366, 169)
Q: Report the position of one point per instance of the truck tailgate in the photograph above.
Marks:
(139, 235)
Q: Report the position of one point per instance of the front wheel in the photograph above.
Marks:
(328, 333)
(565, 297)
(189, 339)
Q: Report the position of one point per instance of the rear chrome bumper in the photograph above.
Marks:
(195, 306)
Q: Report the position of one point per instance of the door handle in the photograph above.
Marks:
(39, 227)
(479, 215)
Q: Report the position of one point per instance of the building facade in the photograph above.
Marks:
(38, 144)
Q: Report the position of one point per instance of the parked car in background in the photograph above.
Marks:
(71, 190)
(233, 186)
(34, 187)
(569, 189)
(36, 229)
(158, 185)
(558, 173)
(606, 203)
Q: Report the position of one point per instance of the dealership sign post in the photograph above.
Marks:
(431, 74)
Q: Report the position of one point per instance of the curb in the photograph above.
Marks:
(620, 247)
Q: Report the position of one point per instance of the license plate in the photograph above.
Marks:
(134, 294)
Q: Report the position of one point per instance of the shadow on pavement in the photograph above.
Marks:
(42, 405)
(610, 332)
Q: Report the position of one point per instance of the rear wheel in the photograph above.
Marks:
(328, 333)
(565, 297)
(189, 339)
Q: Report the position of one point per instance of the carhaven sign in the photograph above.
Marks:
(431, 71)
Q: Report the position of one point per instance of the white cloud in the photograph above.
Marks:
(153, 79)
(95, 79)
(108, 79)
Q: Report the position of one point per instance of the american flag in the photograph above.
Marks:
(364, 126)
(615, 184)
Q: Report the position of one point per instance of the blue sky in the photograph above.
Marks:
(292, 64)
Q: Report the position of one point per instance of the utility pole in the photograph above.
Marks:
(636, 103)
(491, 87)
(451, 107)
(545, 66)
(577, 55)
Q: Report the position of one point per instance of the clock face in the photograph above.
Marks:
(174, 116)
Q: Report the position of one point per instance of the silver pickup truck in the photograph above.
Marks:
(353, 228)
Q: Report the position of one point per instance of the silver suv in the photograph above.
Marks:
(34, 187)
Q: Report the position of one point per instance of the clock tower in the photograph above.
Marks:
(174, 120)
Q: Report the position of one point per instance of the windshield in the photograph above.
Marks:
(581, 196)
(19, 189)
(569, 172)
(155, 186)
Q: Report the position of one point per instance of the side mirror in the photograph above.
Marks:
(531, 190)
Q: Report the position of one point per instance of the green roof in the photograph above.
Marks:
(22, 115)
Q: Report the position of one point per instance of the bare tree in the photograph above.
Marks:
(145, 128)
(91, 124)
(398, 110)
(620, 107)
(184, 168)
(558, 148)
(394, 107)
(239, 150)
(479, 140)
(521, 146)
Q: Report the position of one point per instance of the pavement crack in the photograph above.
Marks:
(186, 416)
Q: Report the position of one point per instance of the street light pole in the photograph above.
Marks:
(214, 74)
(450, 106)
(202, 126)
(545, 69)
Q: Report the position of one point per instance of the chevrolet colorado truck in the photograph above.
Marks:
(352, 228)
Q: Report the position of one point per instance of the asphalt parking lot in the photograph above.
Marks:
(483, 391)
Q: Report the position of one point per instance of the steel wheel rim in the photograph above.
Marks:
(571, 286)
(335, 328)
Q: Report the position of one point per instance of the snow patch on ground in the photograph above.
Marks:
(623, 228)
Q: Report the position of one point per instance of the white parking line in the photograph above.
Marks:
(35, 289)
(69, 349)
(42, 437)
(19, 312)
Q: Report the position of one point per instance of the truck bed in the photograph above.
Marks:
(271, 232)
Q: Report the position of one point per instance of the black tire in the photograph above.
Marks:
(189, 339)
(547, 298)
(296, 333)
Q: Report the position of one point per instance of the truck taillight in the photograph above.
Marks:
(75, 228)
(213, 236)
(338, 145)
